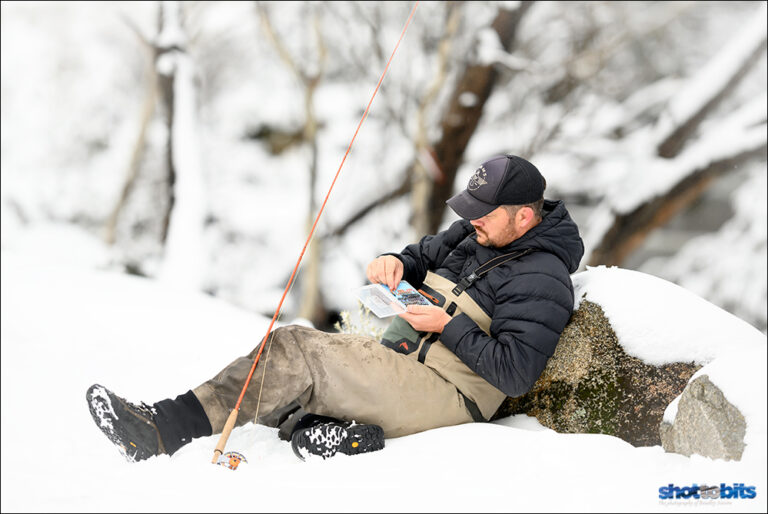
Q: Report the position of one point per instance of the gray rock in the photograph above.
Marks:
(591, 385)
(706, 424)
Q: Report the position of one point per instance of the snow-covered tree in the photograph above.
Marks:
(198, 140)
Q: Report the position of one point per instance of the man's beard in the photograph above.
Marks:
(481, 234)
(500, 241)
(487, 242)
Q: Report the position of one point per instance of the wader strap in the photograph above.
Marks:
(473, 409)
(425, 346)
(484, 268)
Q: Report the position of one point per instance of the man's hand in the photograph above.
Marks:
(426, 318)
(387, 270)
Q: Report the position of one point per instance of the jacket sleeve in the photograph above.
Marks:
(430, 252)
(531, 312)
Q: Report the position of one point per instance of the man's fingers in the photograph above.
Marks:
(397, 272)
(392, 280)
(385, 270)
(376, 272)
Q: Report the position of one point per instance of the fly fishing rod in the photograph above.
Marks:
(232, 419)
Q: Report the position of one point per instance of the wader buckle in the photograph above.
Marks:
(464, 283)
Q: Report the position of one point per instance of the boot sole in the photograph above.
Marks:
(327, 439)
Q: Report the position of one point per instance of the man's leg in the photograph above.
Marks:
(347, 377)
(141, 431)
(344, 376)
(358, 379)
(287, 383)
(339, 378)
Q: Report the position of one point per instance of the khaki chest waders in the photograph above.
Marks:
(481, 397)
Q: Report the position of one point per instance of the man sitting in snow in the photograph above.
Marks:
(500, 283)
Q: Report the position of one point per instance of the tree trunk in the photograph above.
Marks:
(166, 80)
(311, 305)
(628, 230)
(461, 118)
(444, 157)
(184, 256)
(147, 113)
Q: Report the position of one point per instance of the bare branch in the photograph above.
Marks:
(716, 80)
(311, 305)
(381, 58)
(444, 47)
(137, 31)
(589, 60)
(401, 190)
(282, 51)
(461, 118)
(458, 125)
(420, 176)
(147, 112)
(629, 230)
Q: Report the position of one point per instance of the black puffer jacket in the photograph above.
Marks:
(529, 299)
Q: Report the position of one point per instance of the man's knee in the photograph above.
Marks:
(293, 337)
(278, 337)
(287, 349)
(289, 333)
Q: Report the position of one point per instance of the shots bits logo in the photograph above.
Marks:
(737, 491)
(478, 179)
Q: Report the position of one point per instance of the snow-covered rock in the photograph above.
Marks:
(628, 352)
(706, 423)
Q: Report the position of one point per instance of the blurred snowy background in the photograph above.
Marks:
(193, 142)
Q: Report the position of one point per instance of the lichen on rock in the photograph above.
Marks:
(591, 385)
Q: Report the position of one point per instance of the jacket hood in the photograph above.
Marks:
(557, 234)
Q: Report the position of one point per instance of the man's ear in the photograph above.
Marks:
(524, 216)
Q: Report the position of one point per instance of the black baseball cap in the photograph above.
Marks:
(501, 180)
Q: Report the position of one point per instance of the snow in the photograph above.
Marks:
(711, 78)
(185, 253)
(171, 33)
(82, 73)
(72, 87)
(647, 178)
(660, 322)
(685, 327)
(467, 99)
(712, 265)
(65, 328)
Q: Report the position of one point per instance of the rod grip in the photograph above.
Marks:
(228, 426)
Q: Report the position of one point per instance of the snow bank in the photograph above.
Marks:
(64, 329)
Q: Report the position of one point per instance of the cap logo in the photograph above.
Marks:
(478, 179)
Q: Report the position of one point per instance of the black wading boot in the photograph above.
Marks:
(324, 436)
(143, 431)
